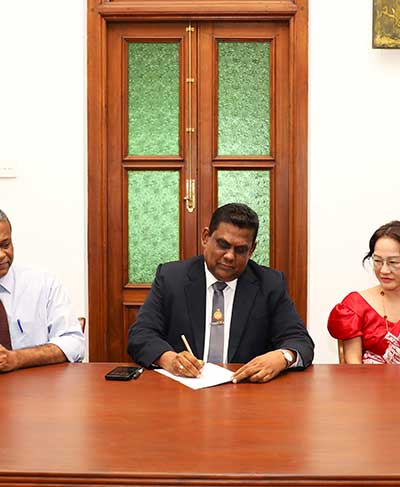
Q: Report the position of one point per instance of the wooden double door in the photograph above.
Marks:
(197, 114)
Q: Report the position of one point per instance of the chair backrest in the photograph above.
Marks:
(82, 321)
(341, 352)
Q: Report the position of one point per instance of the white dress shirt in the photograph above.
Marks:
(39, 311)
(229, 295)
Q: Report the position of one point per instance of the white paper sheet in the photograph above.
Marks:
(211, 375)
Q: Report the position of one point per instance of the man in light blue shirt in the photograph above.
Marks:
(42, 326)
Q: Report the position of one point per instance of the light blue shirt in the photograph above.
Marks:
(39, 311)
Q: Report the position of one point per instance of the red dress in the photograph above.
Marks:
(354, 317)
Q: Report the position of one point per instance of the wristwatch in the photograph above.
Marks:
(287, 356)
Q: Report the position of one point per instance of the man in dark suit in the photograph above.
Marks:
(256, 322)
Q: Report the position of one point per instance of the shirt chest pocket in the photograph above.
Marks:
(25, 333)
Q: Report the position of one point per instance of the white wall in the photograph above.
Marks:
(43, 133)
(353, 132)
(354, 161)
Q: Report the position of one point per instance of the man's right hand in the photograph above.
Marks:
(183, 364)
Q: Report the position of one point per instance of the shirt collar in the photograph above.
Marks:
(7, 281)
(210, 279)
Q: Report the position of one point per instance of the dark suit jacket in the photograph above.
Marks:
(263, 315)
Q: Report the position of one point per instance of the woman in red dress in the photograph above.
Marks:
(368, 321)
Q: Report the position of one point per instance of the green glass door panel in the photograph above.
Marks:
(153, 98)
(243, 98)
(153, 222)
(252, 188)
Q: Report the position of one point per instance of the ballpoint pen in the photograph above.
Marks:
(187, 344)
(20, 326)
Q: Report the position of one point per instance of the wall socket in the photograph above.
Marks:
(7, 170)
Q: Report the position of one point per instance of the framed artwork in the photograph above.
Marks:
(386, 24)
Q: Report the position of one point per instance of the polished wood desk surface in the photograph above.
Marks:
(329, 425)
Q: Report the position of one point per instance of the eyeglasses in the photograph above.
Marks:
(393, 265)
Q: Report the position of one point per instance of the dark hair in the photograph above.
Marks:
(237, 214)
(4, 217)
(391, 230)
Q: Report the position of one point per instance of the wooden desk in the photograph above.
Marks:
(330, 425)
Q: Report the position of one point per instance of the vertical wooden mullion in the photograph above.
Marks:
(189, 219)
(116, 98)
(97, 180)
(207, 121)
(183, 226)
(298, 236)
(280, 203)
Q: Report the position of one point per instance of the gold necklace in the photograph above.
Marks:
(384, 310)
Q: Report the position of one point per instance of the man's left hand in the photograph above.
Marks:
(7, 359)
(262, 368)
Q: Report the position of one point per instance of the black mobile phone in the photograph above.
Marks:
(124, 373)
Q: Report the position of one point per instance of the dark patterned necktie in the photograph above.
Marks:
(216, 348)
(5, 339)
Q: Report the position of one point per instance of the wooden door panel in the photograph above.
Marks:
(277, 159)
(123, 289)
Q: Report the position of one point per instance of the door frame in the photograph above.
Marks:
(103, 12)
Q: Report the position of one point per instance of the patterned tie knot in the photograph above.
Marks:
(219, 286)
